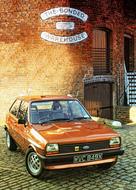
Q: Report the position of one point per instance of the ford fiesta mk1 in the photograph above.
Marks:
(57, 132)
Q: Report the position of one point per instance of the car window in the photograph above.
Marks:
(77, 110)
(22, 114)
(15, 107)
(56, 110)
(42, 105)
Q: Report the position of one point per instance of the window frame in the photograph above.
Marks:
(130, 67)
(107, 61)
(26, 111)
(13, 106)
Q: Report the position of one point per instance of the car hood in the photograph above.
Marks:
(70, 132)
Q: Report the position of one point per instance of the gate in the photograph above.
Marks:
(98, 99)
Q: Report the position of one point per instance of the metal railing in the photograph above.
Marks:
(126, 84)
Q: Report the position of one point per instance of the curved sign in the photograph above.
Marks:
(64, 39)
(64, 11)
(64, 25)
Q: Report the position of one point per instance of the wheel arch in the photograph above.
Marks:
(31, 146)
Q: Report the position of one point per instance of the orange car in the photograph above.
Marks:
(57, 132)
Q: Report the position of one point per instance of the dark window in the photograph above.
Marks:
(15, 107)
(101, 52)
(22, 114)
(129, 52)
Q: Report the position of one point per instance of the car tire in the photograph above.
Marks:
(34, 164)
(106, 166)
(10, 142)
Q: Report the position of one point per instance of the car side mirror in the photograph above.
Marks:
(21, 121)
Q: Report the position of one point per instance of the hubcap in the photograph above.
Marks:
(34, 163)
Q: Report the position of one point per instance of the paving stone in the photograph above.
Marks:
(122, 176)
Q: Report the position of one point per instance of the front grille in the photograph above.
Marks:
(68, 148)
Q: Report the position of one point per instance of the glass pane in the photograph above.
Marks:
(45, 111)
(23, 111)
(15, 107)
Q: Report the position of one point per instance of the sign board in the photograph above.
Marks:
(64, 39)
(64, 25)
(64, 11)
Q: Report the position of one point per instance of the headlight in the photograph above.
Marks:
(115, 141)
(52, 148)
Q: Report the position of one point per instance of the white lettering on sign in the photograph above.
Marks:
(64, 11)
(65, 25)
(65, 39)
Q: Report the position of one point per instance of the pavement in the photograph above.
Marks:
(13, 174)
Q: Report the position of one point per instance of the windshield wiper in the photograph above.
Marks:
(60, 119)
(44, 122)
(65, 119)
(80, 118)
(57, 119)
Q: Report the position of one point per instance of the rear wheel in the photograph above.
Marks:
(34, 164)
(10, 142)
(106, 166)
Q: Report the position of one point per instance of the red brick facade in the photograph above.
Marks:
(31, 65)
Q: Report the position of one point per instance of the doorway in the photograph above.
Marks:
(98, 99)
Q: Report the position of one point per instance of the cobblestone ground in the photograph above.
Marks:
(122, 176)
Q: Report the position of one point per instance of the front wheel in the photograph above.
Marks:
(34, 164)
(10, 142)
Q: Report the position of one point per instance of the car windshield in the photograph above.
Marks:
(57, 110)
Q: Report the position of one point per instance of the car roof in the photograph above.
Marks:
(44, 97)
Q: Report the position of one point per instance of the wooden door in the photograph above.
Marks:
(98, 99)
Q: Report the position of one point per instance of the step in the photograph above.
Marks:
(131, 76)
(133, 99)
(132, 89)
(132, 84)
(132, 93)
(132, 79)
(131, 73)
(132, 104)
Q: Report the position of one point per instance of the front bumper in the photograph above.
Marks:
(66, 161)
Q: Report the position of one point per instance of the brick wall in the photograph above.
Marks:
(30, 65)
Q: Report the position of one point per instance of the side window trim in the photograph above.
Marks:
(26, 111)
(12, 105)
(17, 109)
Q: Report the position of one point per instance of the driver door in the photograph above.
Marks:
(21, 129)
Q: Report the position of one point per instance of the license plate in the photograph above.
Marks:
(87, 158)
